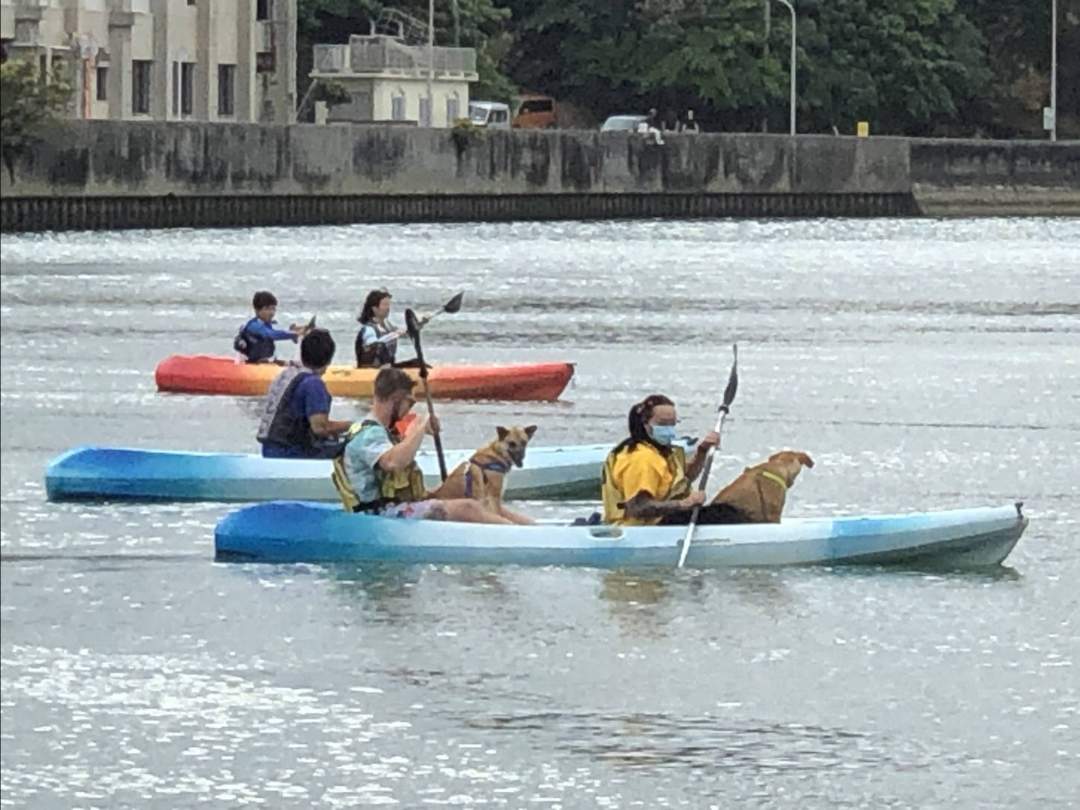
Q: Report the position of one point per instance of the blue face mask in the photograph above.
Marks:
(663, 434)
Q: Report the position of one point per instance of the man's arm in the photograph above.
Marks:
(324, 427)
(402, 454)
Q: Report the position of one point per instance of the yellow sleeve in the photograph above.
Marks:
(642, 472)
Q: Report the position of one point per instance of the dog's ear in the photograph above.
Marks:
(804, 459)
(530, 430)
(502, 433)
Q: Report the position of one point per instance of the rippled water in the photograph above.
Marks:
(923, 364)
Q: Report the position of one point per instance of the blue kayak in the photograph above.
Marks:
(290, 531)
(128, 474)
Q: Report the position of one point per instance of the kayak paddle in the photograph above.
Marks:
(721, 415)
(412, 324)
(452, 306)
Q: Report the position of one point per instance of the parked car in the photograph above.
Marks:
(491, 114)
(622, 123)
(535, 112)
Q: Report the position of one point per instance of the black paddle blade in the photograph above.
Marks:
(454, 304)
(412, 324)
(733, 380)
(311, 323)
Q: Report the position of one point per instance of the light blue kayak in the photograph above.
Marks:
(290, 531)
(126, 474)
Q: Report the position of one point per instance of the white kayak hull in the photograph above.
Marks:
(306, 532)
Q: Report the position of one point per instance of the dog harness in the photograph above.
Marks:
(493, 466)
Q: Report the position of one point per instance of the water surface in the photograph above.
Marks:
(924, 364)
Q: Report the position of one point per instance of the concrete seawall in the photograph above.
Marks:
(104, 174)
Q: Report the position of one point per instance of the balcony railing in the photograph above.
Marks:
(368, 55)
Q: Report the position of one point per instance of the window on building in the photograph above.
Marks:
(140, 86)
(397, 107)
(175, 89)
(453, 110)
(226, 89)
(264, 9)
(425, 111)
(43, 68)
(102, 84)
(187, 88)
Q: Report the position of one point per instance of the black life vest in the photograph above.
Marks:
(278, 424)
(374, 355)
(254, 347)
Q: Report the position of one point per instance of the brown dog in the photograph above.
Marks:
(759, 493)
(482, 476)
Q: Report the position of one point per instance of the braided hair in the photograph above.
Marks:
(638, 421)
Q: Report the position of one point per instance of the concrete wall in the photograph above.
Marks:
(292, 173)
(967, 178)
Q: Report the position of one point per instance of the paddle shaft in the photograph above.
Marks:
(721, 415)
(704, 480)
(430, 404)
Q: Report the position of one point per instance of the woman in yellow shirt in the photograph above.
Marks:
(647, 481)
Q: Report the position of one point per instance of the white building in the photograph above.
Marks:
(388, 80)
(164, 60)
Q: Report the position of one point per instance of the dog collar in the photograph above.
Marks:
(776, 479)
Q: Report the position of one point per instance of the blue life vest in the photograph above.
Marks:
(254, 347)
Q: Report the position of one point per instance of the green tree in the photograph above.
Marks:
(907, 66)
(28, 104)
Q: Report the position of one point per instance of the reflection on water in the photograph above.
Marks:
(923, 364)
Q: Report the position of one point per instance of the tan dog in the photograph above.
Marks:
(759, 493)
(482, 476)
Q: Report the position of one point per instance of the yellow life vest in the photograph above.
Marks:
(399, 486)
(614, 498)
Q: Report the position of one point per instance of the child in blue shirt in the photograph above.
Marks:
(257, 337)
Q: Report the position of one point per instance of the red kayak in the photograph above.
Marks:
(206, 374)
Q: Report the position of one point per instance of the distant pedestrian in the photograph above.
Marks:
(650, 127)
(689, 125)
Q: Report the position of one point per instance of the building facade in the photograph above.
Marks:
(388, 80)
(163, 60)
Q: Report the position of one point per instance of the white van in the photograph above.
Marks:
(492, 114)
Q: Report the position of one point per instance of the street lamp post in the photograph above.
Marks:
(1053, 70)
(791, 8)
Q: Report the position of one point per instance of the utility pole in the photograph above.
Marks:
(791, 8)
(431, 62)
(767, 5)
